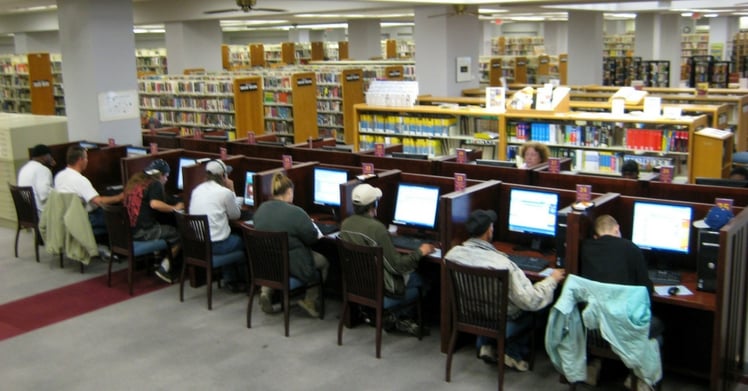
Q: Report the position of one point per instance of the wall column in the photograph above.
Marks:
(585, 38)
(555, 37)
(456, 36)
(722, 31)
(364, 39)
(194, 44)
(98, 48)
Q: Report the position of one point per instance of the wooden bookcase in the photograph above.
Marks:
(257, 55)
(290, 105)
(151, 61)
(343, 50)
(337, 92)
(318, 51)
(27, 84)
(288, 53)
(713, 151)
(248, 95)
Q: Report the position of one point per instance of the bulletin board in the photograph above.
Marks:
(116, 105)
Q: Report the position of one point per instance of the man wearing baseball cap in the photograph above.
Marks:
(524, 297)
(37, 173)
(399, 269)
(144, 199)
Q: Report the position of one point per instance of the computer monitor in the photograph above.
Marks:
(408, 155)
(327, 185)
(416, 206)
(273, 143)
(496, 163)
(216, 137)
(342, 148)
(722, 182)
(136, 151)
(87, 145)
(249, 188)
(166, 133)
(661, 226)
(183, 162)
(533, 212)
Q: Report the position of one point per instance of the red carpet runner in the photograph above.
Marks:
(33, 312)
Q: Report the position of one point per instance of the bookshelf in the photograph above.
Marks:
(337, 92)
(151, 61)
(377, 69)
(317, 51)
(272, 53)
(534, 69)
(517, 46)
(288, 53)
(343, 51)
(290, 105)
(302, 53)
(655, 73)
(739, 55)
(27, 84)
(194, 103)
(713, 150)
(618, 45)
(58, 90)
(620, 71)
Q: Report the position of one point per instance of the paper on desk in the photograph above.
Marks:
(662, 290)
(546, 272)
(437, 253)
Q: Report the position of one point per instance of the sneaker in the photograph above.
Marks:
(593, 371)
(487, 353)
(520, 365)
(411, 327)
(164, 274)
(309, 307)
(266, 304)
(642, 386)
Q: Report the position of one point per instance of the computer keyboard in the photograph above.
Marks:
(406, 242)
(664, 277)
(327, 228)
(529, 263)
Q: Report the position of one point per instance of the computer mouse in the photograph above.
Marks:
(673, 290)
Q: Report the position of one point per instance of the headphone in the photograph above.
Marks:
(224, 169)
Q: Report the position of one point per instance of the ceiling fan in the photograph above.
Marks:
(459, 9)
(245, 6)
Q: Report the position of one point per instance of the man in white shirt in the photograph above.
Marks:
(70, 180)
(37, 173)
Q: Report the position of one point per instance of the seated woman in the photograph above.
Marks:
(533, 153)
(144, 198)
(279, 214)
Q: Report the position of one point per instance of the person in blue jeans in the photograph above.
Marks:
(524, 296)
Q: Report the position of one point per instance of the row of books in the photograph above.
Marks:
(329, 91)
(330, 119)
(155, 103)
(430, 125)
(222, 87)
(275, 112)
(657, 140)
(283, 97)
(410, 144)
(282, 127)
(330, 105)
(170, 118)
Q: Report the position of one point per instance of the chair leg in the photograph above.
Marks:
(130, 269)
(500, 360)
(378, 338)
(343, 316)
(419, 312)
(286, 310)
(18, 232)
(61, 264)
(450, 350)
(252, 288)
(36, 245)
(181, 281)
(209, 282)
(109, 274)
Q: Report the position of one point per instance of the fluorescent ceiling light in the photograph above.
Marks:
(233, 23)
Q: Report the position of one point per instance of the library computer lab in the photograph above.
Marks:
(257, 194)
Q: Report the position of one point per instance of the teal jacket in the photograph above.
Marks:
(65, 227)
(620, 312)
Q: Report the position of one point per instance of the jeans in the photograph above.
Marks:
(228, 245)
(517, 348)
(96, 218)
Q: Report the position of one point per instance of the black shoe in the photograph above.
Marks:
(236, 286)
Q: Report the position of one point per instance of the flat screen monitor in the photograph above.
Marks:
(496, 163)
(272, 143)
(88, 145)
(249, 188)
(342, 148)
(722, 182)
(183, 162)
(166, 133)
(327, 185)
(408, 155)
(136, 151)
(661, 226)
(533, 212)
(216, 137)
(416, 205)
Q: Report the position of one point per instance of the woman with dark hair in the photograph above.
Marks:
(144, 198)
(279, 214)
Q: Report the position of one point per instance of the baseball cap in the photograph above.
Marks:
(217, 167)
(40, 150)
(365, 194)
(479, 221)
(715, 219)
(157, 166)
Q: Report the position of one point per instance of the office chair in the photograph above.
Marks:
(269, 266)
(27, 215)
(363, 283)
(121, 242)
(197, 251)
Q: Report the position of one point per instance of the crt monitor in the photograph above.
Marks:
(327, 185)
(533, 212)
(416, 206)
(183, 162)
(249, 188)
(661, 226)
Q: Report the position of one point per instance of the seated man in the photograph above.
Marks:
(523, 295)
(630, 169)
(399, 269)
(37, 173)
(611, 259)
(739, 173)
(70, 180)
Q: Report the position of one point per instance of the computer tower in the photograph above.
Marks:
(706, 266)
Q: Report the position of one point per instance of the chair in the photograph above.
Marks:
(363, 283)
(479, 298)
(197, 251)
(269, 266)
(27, 215)
(121, 242)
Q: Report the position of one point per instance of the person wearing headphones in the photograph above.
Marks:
(215, 197)
(144, 199)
